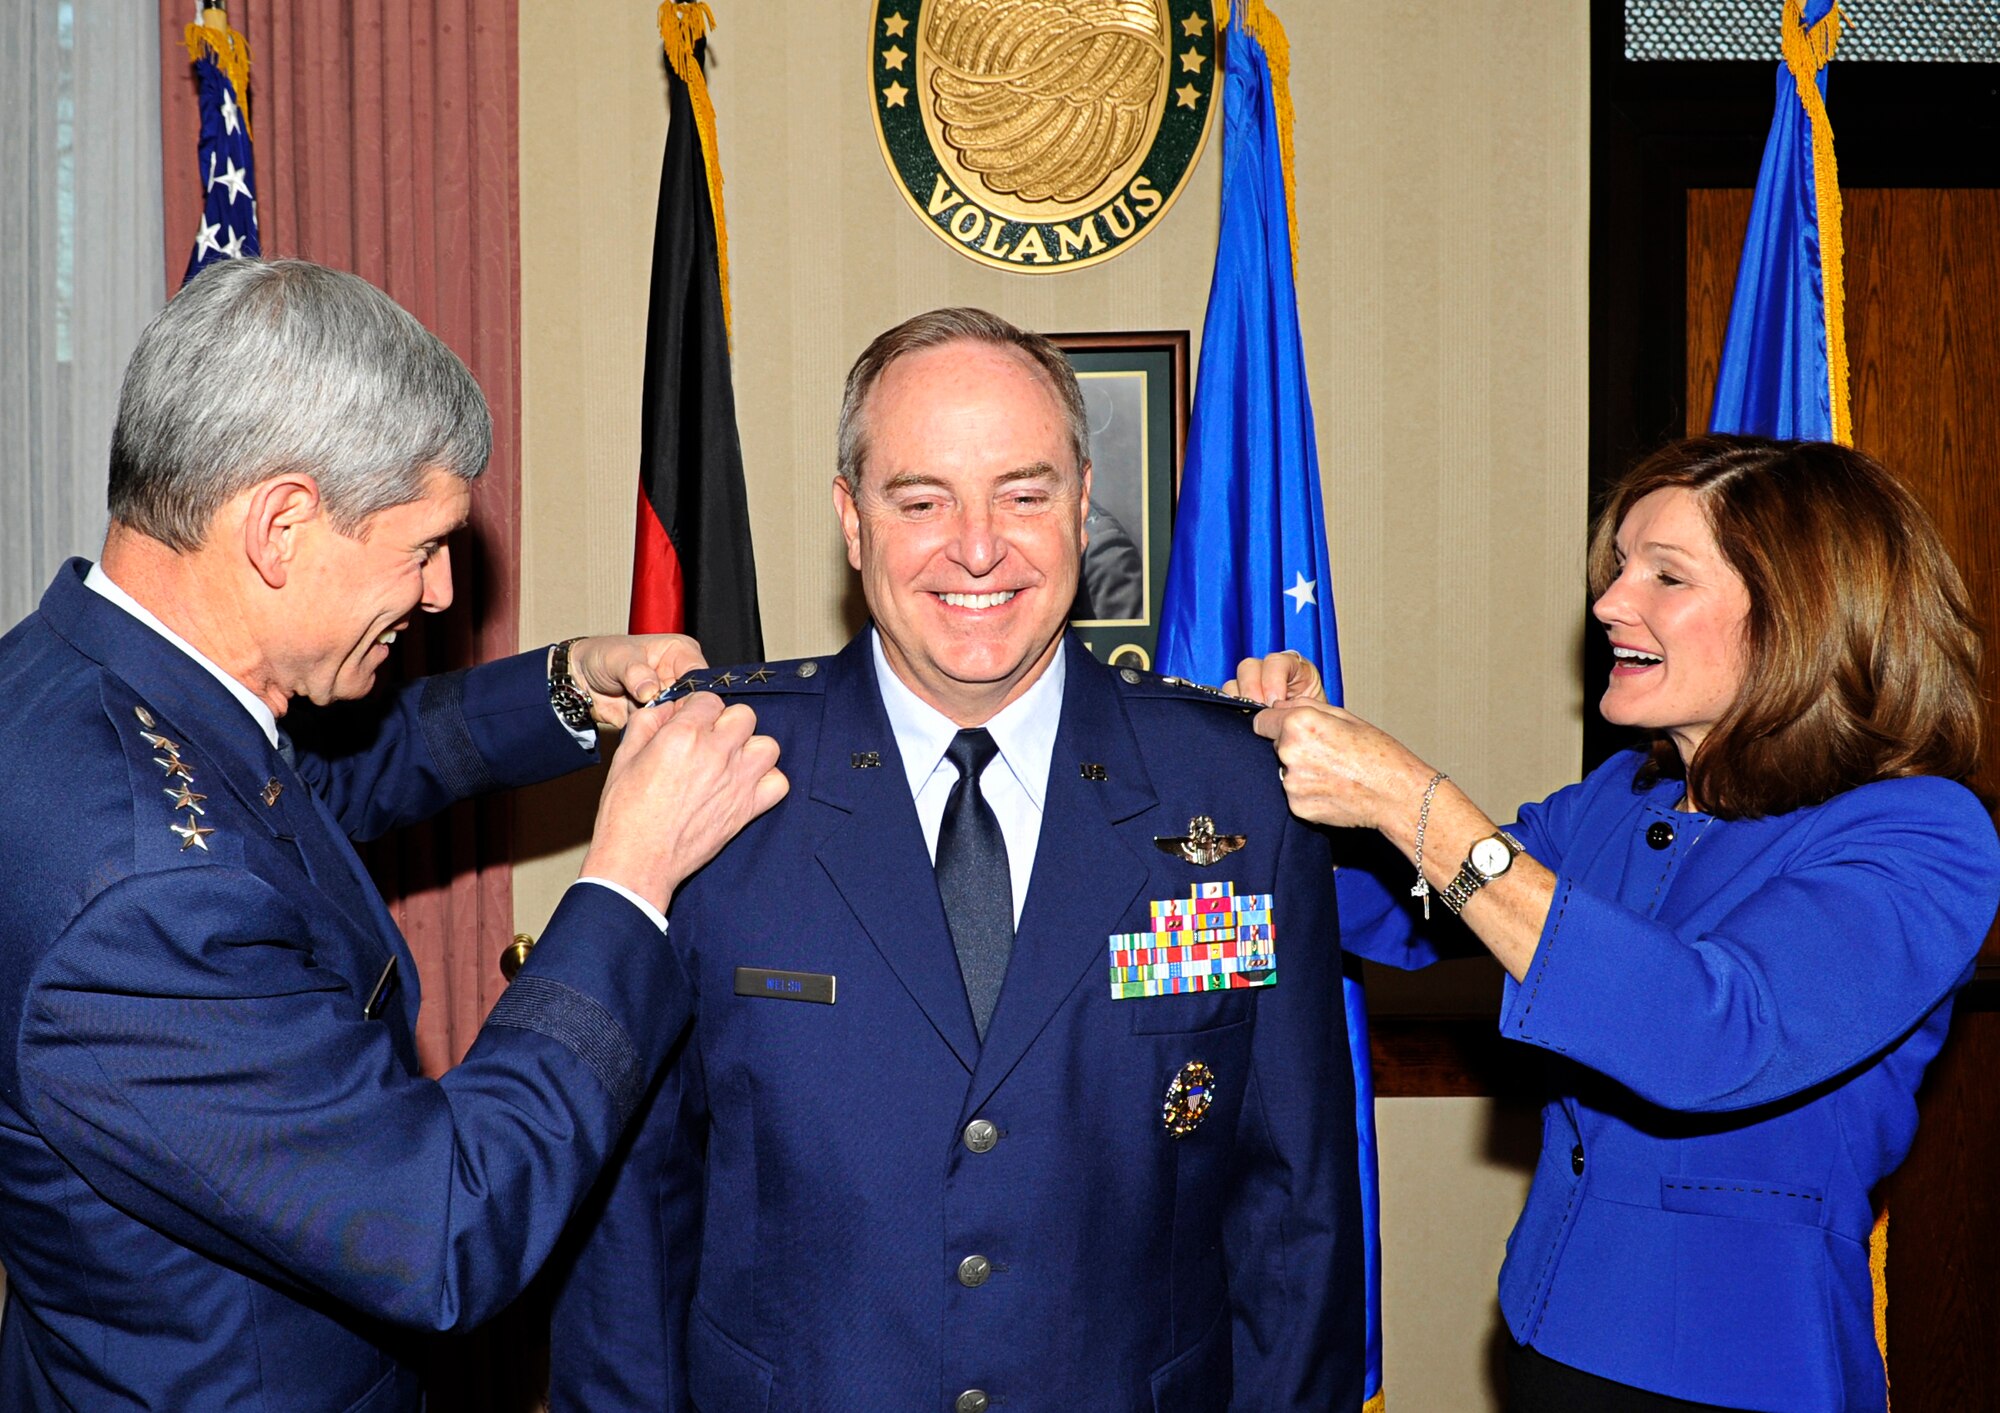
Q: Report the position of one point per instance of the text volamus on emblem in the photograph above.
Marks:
(1042, 135)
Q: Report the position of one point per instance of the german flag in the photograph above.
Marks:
(692, 570)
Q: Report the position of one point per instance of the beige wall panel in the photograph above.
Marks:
(1443, 221)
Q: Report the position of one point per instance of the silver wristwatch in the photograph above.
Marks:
(572, 704)
(1485, 861)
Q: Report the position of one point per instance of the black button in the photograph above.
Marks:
(1659, 834)
(1576, 1160)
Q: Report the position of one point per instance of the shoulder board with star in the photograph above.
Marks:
(804, 674)
(174, 818)
(1140, 683)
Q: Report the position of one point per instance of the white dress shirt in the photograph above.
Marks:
(1016, 782)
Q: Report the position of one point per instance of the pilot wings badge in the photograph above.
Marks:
(1201, 845)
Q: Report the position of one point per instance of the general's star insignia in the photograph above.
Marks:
(193, 833)
(174, 766)
(727, 679)
(762, 674)
(185, 798)
(1201, 845)
(160, 743)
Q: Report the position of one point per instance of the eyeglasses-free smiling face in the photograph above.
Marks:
(1677, 615)
(967, 527)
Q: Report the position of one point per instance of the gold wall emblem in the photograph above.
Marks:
(1042, 135)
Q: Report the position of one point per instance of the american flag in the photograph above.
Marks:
(229, 208)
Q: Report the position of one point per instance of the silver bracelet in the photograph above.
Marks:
(1422, 887)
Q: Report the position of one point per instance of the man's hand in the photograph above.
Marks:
(686, 778)
(1276, 679)
(623, 672)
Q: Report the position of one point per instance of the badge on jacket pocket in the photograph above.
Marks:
(1214, 939)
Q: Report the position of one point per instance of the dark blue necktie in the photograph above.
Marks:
(972, 877)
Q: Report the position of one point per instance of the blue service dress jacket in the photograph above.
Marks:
(839, 1165)
(224, 1182)
(1736, 1014)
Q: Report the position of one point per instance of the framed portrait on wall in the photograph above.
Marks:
(1135, 391)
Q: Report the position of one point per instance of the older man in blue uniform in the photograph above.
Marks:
(1018, 1076)
(224, 1182)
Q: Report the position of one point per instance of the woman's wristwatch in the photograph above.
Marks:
(1485, 861)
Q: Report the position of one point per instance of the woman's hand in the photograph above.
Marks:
(1277, 679)
(1338, 769)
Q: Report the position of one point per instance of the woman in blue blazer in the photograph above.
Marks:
(1738, 944)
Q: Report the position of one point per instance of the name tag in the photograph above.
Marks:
(784, 985)
(1214, 939)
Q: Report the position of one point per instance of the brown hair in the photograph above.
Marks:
(1862, 651)
(934, 330)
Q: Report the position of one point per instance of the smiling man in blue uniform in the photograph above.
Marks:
(1018, 1076)
(224, 1181)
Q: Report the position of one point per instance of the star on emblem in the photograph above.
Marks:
(1191, 61)
(893, 56)
(1193, 25)
(175, 766)
(893, 95)
(160, 743)
(272, 789)
(193, 834)
(762, 674)
(1186, 94)
(894, 25)
(185, 798)
(1301, 592)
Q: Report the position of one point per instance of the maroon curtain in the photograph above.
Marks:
(385, 134)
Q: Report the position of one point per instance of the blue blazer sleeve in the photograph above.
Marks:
(1834, 951)
(202, 1072)
(438, 740)
(1292, 1234)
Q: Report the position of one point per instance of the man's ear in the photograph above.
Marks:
(1083, 511)
(850, 520)
(275, 512)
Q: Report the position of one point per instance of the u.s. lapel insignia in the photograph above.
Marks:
(185, 798)
(193, 833)
(864, 760)
(272, 789)
(1090, 770)
(1189, 1099)
(1201, 845)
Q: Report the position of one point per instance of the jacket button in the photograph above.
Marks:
(981, 1135)
(1576, 1160)
(1659, 834)
(973, 1400)
(973, 1271)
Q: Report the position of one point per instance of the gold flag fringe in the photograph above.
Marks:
(1806, 53)
(232, 55)
(1262, 25)
(680, 26)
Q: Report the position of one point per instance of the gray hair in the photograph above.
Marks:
(262, 367)
(934, 330)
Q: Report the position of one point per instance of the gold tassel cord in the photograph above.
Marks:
(1262, 25)
(232, 56)
(681, 25)
(1878, 1276)
(1806, 53)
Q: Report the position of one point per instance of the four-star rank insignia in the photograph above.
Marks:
(1201, 845)
(1189, 1098)
(180, 789)
(1039, 137)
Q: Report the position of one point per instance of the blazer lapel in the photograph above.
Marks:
(1086, 875)
(876, 856)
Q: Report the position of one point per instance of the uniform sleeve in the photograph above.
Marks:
(1292, 1235)
(201, 1071)
(1844, 948)
(625, 1280)
(439, 740)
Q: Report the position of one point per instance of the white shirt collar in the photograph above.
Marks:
(100, 582)
(1024, 730)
